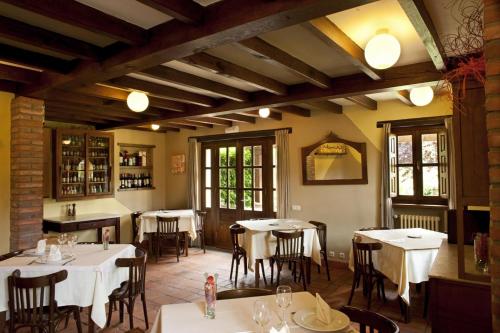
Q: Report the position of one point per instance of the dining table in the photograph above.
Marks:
(92, 276)
(260, 244)
(187, 223)
(231, 315)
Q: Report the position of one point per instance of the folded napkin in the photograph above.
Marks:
(323, 311)
(40, 246)
(54, 254)
(284, 329)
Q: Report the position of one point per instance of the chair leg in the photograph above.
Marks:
(177, 250)
(319, 269)
(236, 273)
(369, 292)
(326, 266)
(279, 266)
(145, 309)
(130, 309)
(157, 249)
(202, 239)
(382, 288)
(353, 287)
(263, 271)
(232, 265)
(121, 311)
(302, 273)
(426, 298)
(76, 315)
(271, 263)
(245, 264)
(110, 312)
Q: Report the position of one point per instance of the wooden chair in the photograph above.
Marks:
(130, 289)
(321, 230)
(168, 229)
(28, 307)
(370, 321)
(135, 228)
(289, 249)
(10, 255)
(200, 227)
(363, 268)
(374, 228)
(238, 252)
(242, 293)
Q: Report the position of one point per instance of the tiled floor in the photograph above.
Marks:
(171, 282)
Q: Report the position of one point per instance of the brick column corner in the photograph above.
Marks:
(26, 172)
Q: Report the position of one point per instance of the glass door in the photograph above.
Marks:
(99, 175)
(71, 165)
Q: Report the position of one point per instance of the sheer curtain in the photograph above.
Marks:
(452, 194)
(193, 174)
(283, 173)
(386, 217)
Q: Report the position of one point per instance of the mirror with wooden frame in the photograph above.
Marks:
(334, 161)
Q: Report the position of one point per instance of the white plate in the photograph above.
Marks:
(307, 319)
(44, 260)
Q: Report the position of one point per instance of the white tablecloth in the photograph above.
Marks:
(233, 315)
(259, 242)
(187, 222)
(91, 277)
(403, 260)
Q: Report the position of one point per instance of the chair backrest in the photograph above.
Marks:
(135, 229)
(374, 228)
(167, 225)
(136, 271)
(27, 297)
(363, 256)
(321, 230)
(236, 230)
(370, 321)
(10, 254)
(200, 219)
(289, 245)
(243, 292)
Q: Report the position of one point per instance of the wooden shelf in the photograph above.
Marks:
(136, 167)
(135, 189)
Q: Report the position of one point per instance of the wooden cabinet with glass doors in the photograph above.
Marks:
(83, 164)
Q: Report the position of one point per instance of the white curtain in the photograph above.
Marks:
(283, 173)
(193, 174)
(452, 196)
(386, 217)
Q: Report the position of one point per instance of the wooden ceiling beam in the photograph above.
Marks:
(171, 75)
(162, 91)
(239, 118)
(326, 106)
(331, 34)
(293, 109)
(197, 123)
(186, 11)
(268, 52)
(86, 110)
(171, 129)
(223, 22)
(180, 125)
(149, 129)
(214, 121)
(10, 86)
(86, 17)
(404, 97)
(230, 70)
(17, 74)
(422, 22)
(272, 115)
(45, 39)
(364, 101)
(63, 112)
(51, 115)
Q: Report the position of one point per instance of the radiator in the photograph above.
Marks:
(419, 221)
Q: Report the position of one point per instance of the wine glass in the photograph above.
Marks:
(283, 300)
(261, 314)
(72, 240)
(62, 239)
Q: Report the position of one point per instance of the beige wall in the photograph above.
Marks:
(124, 202)
(5, 99)
(344, 208)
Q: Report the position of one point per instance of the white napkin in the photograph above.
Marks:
(54, 254)
(323, 312)
(282, 330)
(40, 246)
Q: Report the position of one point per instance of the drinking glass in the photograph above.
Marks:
(62, 239)
(283, 300)
(72, 241)
(261, 314)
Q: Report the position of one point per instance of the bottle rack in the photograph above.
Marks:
(136, 167)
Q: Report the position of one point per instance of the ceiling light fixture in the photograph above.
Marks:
(264, 112)
(421, 96)
(155, 127)
(382, 51)
(137, 101)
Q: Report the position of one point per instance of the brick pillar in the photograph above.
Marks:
(492, 90)
(26, 172)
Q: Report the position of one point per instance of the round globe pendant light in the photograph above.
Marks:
(382, 51)
(137, 101)
(421, 96)
(155, 127)
(264, 112)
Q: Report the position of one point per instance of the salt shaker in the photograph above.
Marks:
(210, 296)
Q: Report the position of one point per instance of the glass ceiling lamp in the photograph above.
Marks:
(155, 127)
(137, 101)
(264, 112)
(383, 50)
(421, 96)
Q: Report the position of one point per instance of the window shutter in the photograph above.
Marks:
(443, 165)
(393, 172)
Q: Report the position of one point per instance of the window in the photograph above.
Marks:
(419, 165)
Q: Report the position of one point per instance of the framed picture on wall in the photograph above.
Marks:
(178, 164)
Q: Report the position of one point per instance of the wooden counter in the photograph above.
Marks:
(81, 222)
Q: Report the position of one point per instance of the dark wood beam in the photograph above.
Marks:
(422, 22)
(17, 74)
(86, 110)
(214, 121)
(363, 101)
(329, 33)
(65, 112)
(149, 129)
(162, 91)
(293, 109)
(228, 69)
(186, 11)
(224, 22)
(326, 106)
(171, 129)
(45, 39)
(266, 51)
(272, 115)
(404, 97)
(191, 123)
(192, 81)
(239, 118)
(9, 86)
(88, 18)
(180, 125)
(36, 60)
(51, 115)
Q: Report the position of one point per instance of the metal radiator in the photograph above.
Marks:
(419, 221)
